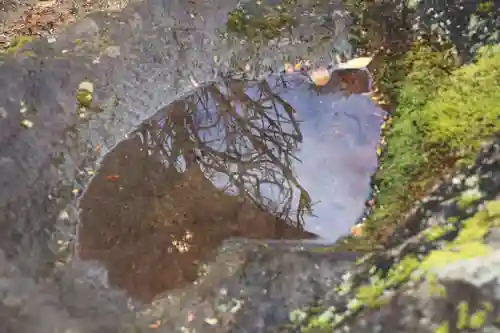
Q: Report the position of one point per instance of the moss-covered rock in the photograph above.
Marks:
(442, 279)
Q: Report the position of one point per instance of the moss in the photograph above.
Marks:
(443, 328)
(84, 94)
(493, 209)
(478, 319)
(433, 129)
(262, 23)
(83, 98)
(438, 231)
(467, 244)
(462, 315)
(19, 43)
(467, 199)
(436, 288)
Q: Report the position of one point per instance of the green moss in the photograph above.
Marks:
(493, 209)
(371, 294)
(467, 107)
(436, 288)
(84, 94)
(83, 98)
(443, 328)
(451, 254)
(478, 319)
(438, 231)
(434, 128)
(468, 244)
(262, 23)
(467, 199)
(462, 315)
(19, 43)
(465, 320)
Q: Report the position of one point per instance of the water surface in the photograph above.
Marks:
(273, 159)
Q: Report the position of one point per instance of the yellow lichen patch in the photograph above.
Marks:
(476, 320)
(443, 328)
(435, 232)
(369, 294)
(468, 198)
(436, 289)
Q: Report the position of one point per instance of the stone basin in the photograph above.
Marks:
(137, 63)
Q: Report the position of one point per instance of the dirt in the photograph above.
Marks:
(46, 18)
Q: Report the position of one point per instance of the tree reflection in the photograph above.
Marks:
(214, 165)
(240, 131)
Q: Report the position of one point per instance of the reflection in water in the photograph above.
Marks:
(225, 162)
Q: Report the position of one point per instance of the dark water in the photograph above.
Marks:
(273, 159)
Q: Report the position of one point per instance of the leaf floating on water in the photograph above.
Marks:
(27, 123)
(320, 76)
(112, 178)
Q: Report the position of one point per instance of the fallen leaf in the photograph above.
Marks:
(112, 178)
(320, 76)
(356, 63)
(357, 230)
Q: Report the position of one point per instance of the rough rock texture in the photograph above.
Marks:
(136, 62)
(468, 24)
(441, 273)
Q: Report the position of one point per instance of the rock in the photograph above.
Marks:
(12, 301)
(444, 278)
(137, 61)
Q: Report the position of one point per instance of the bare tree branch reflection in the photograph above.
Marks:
(239, 131)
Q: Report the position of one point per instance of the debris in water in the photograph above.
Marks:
(112, 178)
(63, 215)
(357, 230)
(320, 76)
(237, 307)
(155, 325)
(27, 123)
(356, 63)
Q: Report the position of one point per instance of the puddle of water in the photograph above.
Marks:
(274, 159)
